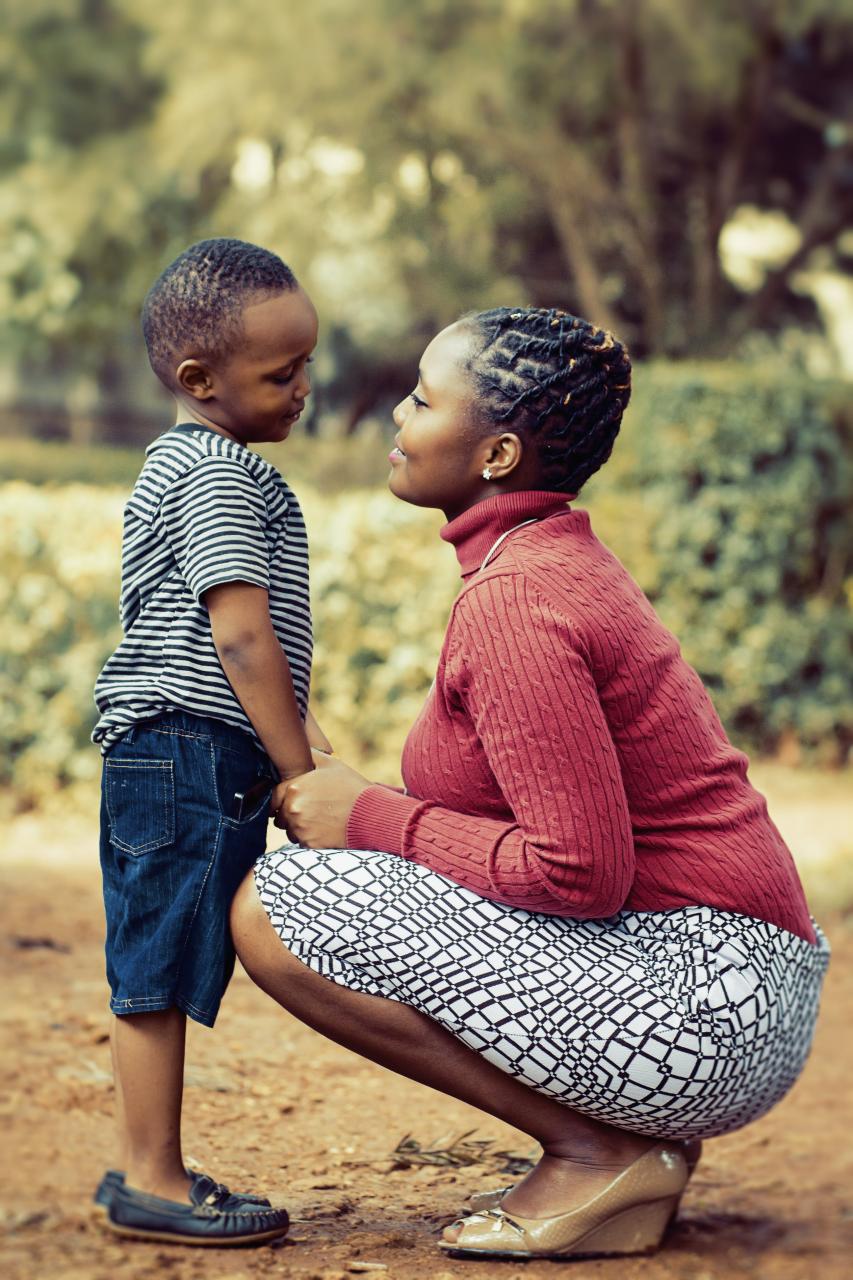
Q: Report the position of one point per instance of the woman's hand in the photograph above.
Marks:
(317, 805)
(315, 735)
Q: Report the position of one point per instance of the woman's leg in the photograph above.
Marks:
(580, 1154)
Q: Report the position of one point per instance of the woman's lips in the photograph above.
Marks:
(396, 455)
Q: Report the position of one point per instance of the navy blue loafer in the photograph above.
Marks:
(115, 1178)
(211, 1216)
(104, 1191)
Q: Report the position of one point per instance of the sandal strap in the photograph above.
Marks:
(497, 1217)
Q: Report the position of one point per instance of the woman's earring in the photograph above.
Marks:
(487, 475)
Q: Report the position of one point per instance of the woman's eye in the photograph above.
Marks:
(417, 401)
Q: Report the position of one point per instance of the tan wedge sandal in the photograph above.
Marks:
(629, 1216)
(480, 1201)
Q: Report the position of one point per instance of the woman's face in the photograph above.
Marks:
(439, 456)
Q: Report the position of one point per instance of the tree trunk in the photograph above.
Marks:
(567, 217)
(573, 192)
(637, 177)
(704, 264)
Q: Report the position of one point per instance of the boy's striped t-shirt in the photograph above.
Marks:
(205, 510)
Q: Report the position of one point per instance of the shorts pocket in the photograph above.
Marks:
(242, 783)
(140, 798)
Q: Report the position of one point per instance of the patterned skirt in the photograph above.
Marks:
(675, 1024)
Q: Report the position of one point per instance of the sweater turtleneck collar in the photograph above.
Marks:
(476, 530)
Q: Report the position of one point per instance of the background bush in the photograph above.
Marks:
(382, 586)
(745, 478)
(728, 497)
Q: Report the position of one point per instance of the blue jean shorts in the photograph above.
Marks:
(184, 803)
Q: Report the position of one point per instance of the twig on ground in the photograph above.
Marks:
(456, 1153)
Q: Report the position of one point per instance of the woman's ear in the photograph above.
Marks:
(194, 378)
(504, 455)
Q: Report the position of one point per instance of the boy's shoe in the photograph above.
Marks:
(115, 1178)
(104, 1191)
(212, 1215)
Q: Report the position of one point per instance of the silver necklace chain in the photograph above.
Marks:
(493, 548)
(486, 558)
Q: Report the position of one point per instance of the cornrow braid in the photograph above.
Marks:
(557, 381)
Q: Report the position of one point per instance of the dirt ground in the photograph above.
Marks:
(271, 1105)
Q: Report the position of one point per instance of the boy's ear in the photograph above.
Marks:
(194, 378)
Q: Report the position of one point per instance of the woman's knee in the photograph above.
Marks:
(251, 928)
(262, 953)
(244, 908)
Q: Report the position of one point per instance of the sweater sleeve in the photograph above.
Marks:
(522, 678)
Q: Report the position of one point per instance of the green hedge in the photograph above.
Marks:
(728, 497)
(741, 486)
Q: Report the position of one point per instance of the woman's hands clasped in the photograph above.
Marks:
(315, 807)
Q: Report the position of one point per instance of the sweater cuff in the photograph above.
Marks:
(379, 818)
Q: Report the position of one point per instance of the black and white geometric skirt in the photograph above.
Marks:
(675, 1024)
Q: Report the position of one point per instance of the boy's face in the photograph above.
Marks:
(257, 392)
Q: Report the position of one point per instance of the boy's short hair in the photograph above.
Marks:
(195, 306)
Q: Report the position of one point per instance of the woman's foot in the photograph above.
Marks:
(480, 1201)
(619, 1211)
(567, 1176)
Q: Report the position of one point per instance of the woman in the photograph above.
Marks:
(578, 917)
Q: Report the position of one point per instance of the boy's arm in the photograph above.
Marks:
(258, 672)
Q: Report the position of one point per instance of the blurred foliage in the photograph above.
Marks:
(416, 160)
(372, 559)
(58, 599)
(330, 466)
(745, 480)
(41, 463)
(728, 498)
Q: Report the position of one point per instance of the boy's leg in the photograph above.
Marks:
(148, 1058)
(121, 1134)
(172, 854)
(158, 1200)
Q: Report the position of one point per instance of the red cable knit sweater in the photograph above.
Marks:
(568, 760)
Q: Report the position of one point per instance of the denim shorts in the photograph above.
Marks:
(184, 803)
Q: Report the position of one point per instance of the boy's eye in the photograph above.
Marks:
(417, 401)
(283, 378)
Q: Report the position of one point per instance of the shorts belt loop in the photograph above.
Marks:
(130, 735)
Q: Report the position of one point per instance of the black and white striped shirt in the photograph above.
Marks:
(205, 510)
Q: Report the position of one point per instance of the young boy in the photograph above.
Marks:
(202, 707)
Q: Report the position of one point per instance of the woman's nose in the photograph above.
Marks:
(398, 415)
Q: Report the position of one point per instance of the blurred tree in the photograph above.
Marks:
(72, 94)
(415, 160)
(594, 150)
(84, 215)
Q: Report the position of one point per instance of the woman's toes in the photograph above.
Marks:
(451, 1234)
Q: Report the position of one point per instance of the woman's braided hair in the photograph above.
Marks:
(557, 381)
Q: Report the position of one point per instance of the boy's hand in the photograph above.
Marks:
(277, 796)
(314, 809)
(277, 800)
